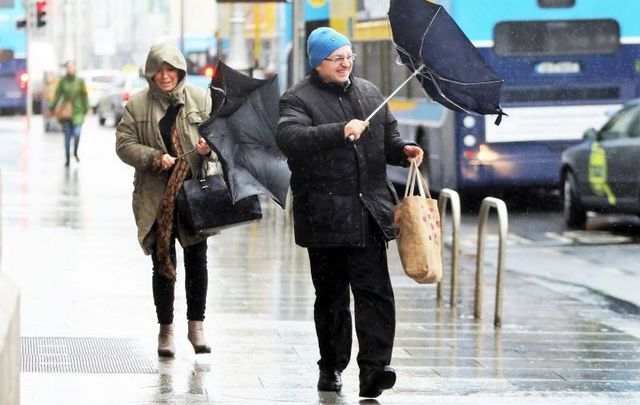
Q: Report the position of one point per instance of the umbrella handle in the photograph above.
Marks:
(186, 153)
(352, 138)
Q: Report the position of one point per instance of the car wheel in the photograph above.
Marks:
(101, 120)
(575, 216)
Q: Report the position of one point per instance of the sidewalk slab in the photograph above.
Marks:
(70, 244)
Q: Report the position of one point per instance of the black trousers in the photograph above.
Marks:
(333, 270)
(195, 282)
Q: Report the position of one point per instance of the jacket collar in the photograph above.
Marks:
(335, 88)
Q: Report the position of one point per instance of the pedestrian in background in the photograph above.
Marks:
(71, 89)
(342, 207)
(160, 124)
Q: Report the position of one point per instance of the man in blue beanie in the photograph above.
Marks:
(343, 206)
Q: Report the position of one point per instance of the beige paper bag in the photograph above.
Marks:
(417, 226)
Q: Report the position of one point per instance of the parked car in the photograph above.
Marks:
(99, 82)
(602, 173)
(111, 105)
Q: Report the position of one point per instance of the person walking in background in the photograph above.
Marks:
(159, 125)
(71, 89)
(343, 205)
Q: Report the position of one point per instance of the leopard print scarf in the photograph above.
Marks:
(164, 220)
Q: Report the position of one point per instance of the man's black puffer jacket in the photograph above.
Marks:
(334, 181)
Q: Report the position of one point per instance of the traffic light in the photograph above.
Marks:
(41, 13)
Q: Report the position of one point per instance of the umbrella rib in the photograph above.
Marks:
(444, 79)
(399, 49)
(407, 54)
(424, 35)
(433, 80)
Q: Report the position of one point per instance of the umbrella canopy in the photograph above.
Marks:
(241, 130)
(449, 67)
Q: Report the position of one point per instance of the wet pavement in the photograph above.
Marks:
(89, 329)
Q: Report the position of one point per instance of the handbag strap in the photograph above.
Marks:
(202, 172)
(73, 91)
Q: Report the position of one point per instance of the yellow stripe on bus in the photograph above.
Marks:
(402, 105)
(372, 31)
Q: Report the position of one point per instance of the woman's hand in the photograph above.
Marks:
(167, 161)
(202, 147)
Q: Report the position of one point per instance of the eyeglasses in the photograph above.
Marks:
(341, 59)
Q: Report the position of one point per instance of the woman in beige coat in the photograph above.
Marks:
(160, 124)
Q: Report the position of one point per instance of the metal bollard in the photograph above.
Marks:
(288, 208)
(501, 210)
(0, 219)
(447, 194)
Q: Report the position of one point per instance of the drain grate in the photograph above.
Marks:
(84, 355)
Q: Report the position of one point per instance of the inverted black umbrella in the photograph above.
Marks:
(241, 130)
(449, 67)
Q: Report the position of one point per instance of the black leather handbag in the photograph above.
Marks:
(205, 204)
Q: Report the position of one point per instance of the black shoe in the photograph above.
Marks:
(66, 163)
(330, 380)
(373, 383)
(77, 158)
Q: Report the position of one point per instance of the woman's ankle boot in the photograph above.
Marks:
(196, 337)
(166, 343)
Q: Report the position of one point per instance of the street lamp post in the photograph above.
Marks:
(182, 26)
(27, 27)
(238, 54)
(298, 33)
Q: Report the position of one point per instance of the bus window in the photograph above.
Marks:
(556, 37)
(6, 54)
(560, 94)
(556, 3)
(196, 61)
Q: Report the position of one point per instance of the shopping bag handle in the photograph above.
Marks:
(408, 186)
(414, 176)
(423, 182)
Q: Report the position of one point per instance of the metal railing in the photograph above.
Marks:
(447, 195)
(501, 210)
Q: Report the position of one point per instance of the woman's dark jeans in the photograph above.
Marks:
(71, 131)
(195, 279)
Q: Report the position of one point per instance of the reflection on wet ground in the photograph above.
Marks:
(70, 243)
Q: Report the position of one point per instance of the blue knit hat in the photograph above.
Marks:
(322, 42)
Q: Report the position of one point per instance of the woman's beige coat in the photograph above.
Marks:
(138, 141)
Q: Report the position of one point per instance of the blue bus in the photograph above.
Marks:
(13, 58)
(200, 51)
(566, 64)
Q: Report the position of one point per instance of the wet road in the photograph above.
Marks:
(88, 322)
(604, 258)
